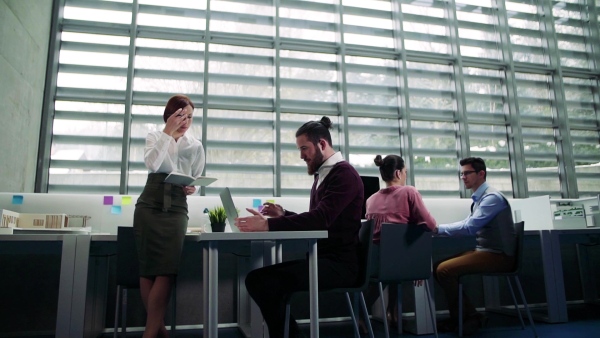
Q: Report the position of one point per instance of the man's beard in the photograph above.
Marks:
(315, 163)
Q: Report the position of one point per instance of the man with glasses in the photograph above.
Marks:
(492, 223)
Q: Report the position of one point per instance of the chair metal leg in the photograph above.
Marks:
(117, 308)
(512, 293)
(518, 282)
(431, 310)
(399, 306)
(383, 310)
(460, 310)
(124, 314)
(354, 321)
(286, 328)
(366, 313)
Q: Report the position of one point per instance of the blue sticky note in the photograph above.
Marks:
(17, 199)
(108, 200)
(115, 210)
(256, 203)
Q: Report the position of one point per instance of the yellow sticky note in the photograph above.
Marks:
(271, 201)
(126, 200)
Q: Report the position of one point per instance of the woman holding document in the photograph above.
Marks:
(161, 214)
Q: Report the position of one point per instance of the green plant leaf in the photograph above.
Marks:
(217, 214)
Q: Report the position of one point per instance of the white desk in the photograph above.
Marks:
(553, 271)
(210, 252)
(67, 295)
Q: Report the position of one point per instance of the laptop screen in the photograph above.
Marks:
(230, 209)
(371, 185)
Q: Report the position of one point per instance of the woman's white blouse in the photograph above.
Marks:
(165, 155)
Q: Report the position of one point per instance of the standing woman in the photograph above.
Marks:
(161, 213)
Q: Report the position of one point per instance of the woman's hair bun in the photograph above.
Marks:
(378, 161)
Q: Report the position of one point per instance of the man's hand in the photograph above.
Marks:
(256, 222)
(272, 210)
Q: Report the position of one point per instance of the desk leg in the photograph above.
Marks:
(314, 289)
(261, 254)
(423, 323)
(491, 293)
(65, 291)
(553, 277)
(210, 278)
(586, 274)
(80, 285)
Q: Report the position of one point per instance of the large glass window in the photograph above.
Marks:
(539, 133)
(432, 81)
(573, 33)
(581, 96)
(526, 32)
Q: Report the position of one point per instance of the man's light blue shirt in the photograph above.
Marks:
(489, 207)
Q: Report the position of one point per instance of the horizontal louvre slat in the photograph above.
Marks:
(241, 98)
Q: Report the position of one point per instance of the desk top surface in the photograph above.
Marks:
(236, 236)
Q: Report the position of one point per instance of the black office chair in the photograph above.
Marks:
(404, 255)
(519, 234)
(365, 238)
(128, 277)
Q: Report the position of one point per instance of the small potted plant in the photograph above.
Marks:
(217, 218)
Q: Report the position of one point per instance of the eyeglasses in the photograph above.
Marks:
(468, 172)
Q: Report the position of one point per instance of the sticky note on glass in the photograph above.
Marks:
(17, 199)
(271, 201)
(115, 210)
(108, 200)
(256, 203)
(126, 200)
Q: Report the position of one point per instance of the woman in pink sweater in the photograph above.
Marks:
(396, 203)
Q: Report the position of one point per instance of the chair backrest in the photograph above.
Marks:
(404, 253)
(128, 271)
(365, 247)
(519, 237)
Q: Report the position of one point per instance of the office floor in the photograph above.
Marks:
(584, 322)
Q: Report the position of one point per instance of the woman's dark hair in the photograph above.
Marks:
(388, 165)
(476, 162)
(176, 102)
(316, 130)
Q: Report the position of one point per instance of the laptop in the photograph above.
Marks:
(230, 209)
(371, 186)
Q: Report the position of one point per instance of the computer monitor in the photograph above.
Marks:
(371, 185)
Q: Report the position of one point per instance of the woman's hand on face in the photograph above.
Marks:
(189, 190)
(174, 122)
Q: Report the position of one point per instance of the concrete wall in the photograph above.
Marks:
(24, 36)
